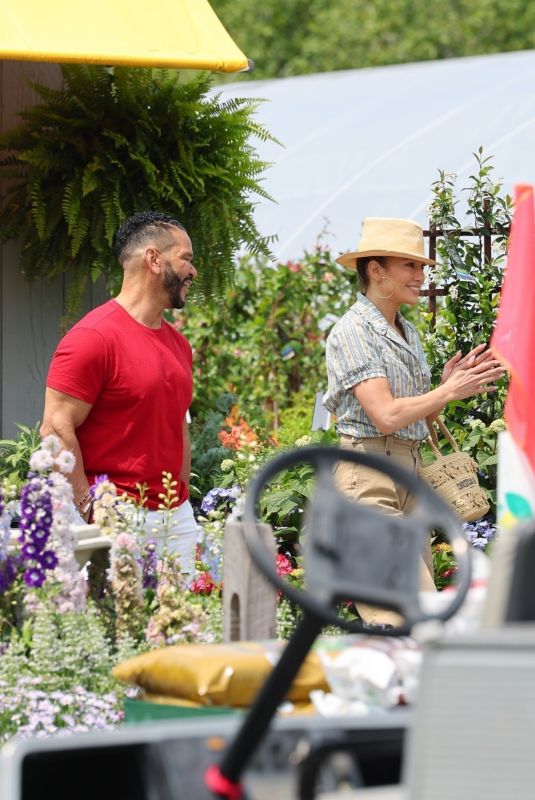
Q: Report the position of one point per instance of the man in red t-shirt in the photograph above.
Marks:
(120, 384)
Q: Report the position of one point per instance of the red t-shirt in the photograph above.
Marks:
(138, 381)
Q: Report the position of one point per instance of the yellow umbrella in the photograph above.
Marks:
(162, 33)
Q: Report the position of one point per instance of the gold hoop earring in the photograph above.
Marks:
(382, 296)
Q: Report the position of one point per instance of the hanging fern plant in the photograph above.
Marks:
(117, 141)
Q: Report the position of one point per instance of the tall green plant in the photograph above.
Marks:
(467, 314)
(116, 141)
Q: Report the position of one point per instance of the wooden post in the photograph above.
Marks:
(249, 601)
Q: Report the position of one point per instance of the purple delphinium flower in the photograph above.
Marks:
(8, 572)
(34, 577)
(48, 559)
(149, 564)
(5, 522)
(35, 527)
(30, 551)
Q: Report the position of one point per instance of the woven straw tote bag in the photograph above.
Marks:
(454, 477)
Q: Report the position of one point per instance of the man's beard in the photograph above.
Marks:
(173, 286)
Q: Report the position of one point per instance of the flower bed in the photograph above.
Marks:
(63, 629)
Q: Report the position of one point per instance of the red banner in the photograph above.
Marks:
(513, 340)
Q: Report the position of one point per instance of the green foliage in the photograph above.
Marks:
(117, 141)
(264, 340)
(293, 38)
(481, 441)
(295, 421)
(15, 454)
(444, 565)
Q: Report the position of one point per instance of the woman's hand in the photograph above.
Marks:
(466, 381)
(476, 356)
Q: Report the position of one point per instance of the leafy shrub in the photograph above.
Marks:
(15, 453)
(207, 452)
(264, 340)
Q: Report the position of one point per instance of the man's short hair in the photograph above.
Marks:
(137, 229)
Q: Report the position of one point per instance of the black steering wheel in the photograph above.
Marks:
(354, 552)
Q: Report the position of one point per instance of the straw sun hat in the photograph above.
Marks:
(383, 236)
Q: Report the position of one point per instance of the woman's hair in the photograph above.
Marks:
(362, 270)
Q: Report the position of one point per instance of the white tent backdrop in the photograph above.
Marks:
(370, 142)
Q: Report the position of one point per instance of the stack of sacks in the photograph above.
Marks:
(217, 674)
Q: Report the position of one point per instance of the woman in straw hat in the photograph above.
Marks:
(379, 381)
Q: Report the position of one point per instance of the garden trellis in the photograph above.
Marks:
(433, 234)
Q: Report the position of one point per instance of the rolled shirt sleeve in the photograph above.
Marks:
(362, 346)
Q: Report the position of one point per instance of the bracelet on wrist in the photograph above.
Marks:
(83, 502)
(88, 509)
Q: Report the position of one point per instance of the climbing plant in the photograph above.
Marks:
(115, 141)
(467, 313)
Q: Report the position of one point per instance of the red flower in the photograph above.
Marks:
(284, 565)
(203, 585)
(448, 573)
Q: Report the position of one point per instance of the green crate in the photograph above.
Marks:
(144, 711)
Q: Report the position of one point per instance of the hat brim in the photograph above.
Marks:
(349, 259)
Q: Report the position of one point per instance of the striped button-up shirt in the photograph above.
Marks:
(362, 345)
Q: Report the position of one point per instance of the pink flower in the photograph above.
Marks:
(125, 541)
(294, 266)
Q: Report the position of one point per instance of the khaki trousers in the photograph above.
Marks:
(375, 488)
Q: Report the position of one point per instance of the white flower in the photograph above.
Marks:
(303, 441)
(52, 444)
(41, 460)
(453, 292)
(65, 461)
(476, 423)
(227, 464)
(497, 425)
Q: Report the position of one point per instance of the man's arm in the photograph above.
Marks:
(62, 415)
(186, 462)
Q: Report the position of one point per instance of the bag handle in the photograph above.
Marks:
(433, 438)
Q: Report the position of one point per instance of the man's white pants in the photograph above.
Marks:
(175, 531)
